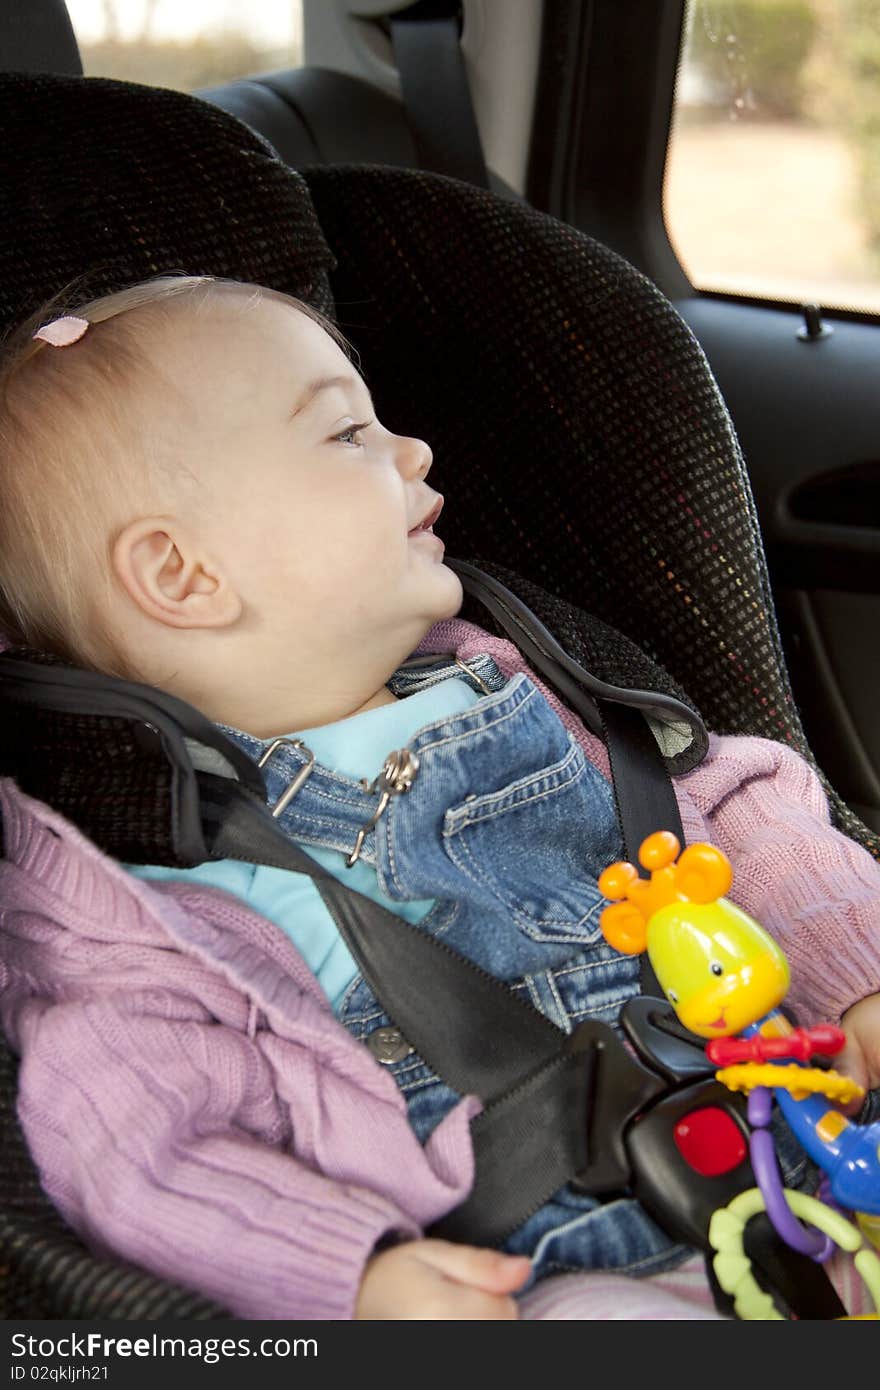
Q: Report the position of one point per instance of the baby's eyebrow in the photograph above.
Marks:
(323, 383)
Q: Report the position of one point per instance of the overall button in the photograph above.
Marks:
(388, 1045)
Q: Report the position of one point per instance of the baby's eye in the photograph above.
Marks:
(346, 436)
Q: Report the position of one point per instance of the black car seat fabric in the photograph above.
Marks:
(91, 168)
(316, 116)
(585, 453)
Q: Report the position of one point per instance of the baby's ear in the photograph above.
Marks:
(167, 574)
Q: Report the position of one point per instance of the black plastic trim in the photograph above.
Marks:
(630, 67)
(558, 110)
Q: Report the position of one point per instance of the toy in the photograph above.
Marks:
(724, 975)
(733, 1269)
(725, 978)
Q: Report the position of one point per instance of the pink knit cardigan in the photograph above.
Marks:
(193, 1105)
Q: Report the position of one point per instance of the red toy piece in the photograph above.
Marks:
(800, 1045)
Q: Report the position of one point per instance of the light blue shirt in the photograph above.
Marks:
(354, 747)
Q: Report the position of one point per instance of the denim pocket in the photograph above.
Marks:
(538, 845)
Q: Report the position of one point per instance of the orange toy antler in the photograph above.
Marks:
(700, 875)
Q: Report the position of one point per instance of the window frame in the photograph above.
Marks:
(604, 112)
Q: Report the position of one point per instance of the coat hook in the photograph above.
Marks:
(813, 328)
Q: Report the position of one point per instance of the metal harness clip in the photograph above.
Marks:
(397, 776)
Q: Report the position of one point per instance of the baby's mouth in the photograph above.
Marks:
(427, 522)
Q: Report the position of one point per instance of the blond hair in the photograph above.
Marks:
(76, 449)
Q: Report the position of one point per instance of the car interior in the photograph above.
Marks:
(473, 190)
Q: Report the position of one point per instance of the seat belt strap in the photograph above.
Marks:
(538, 1084)
(527, 1145)
(642, 786)
(435, 89)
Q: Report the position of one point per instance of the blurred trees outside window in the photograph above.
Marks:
(773, 171)
(186, 44)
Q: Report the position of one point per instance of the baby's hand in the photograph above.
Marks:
(434, 1279)
(860, 1059)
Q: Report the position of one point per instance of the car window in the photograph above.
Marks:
(773, 173)
(186, 44)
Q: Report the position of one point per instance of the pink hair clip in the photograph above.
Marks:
(64, 331)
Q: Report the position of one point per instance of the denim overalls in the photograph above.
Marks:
(507, 825)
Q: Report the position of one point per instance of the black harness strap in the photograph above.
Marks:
(469, 1027)
(644, 796)
(642, 786)
(537, 1083)
(527, 1145)
(578, 686)
(555, 1104)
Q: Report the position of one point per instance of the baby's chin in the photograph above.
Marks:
(457, 606)
(456, 594)
(441, 614)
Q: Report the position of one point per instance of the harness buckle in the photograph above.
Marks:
(621, 1088)
(297, 780)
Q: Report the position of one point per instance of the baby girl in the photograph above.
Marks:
(196, 494)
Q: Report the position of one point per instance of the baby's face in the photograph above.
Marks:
(312, 505)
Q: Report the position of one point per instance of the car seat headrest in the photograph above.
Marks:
(107, 183)
(38, 37)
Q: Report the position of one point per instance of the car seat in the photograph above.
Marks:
(578, 434)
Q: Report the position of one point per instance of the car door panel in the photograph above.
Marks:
(808, 417)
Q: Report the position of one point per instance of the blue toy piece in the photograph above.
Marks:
(848, 1153)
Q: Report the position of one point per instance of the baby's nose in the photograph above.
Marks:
(415, 457)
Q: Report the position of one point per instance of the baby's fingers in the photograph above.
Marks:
(860, 1058)
(489, 1270)
(435, 1279)
(487, 1308)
